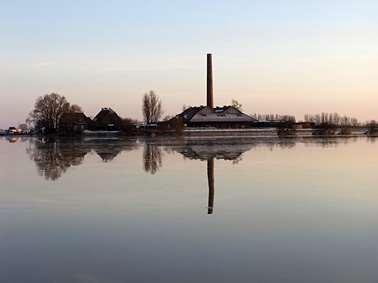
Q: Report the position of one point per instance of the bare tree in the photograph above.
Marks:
(48, 111)
(372, 128)
(275, 117)
(331, 120)
(167, 117)
(152, 108)
(236, 104)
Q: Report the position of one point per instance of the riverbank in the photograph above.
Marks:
(217, 132)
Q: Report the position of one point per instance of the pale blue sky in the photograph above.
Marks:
(273, 56)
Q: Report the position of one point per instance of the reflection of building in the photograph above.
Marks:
(206, 151)
(107, 153)
(225, 149)
(109, 148)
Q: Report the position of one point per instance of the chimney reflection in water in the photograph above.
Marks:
(210, 178)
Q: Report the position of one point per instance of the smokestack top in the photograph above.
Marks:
(210, 102)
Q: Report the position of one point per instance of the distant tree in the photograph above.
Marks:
(152, 107)
(236, 104)
(74, 108)
(167, 118)
(354, 122)
(129, 121)
(23, 127)
(331, 120)
(372, 127)
(274, 117)
(48, 111)
(178, 124)
(129, 125)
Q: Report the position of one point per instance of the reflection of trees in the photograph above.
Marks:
(328, 142)
(53, 157)
(233, 148)
(13, 139)
(152, 158)
(287, 143)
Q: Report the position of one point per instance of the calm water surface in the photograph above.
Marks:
(225, 210)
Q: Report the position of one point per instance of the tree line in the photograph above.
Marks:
(49, 109)
(274, 117)
(332, 119)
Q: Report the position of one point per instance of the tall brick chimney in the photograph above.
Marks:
(210, 102)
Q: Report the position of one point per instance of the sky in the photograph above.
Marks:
(286, 57)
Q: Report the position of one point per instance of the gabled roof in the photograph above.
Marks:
(188, 113)
(217, 114)
(106, 113)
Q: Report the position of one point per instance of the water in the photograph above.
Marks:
(226, 210)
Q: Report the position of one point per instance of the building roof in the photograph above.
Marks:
(107, 118)
(74, 117)
(217, 114)
(106, 113)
